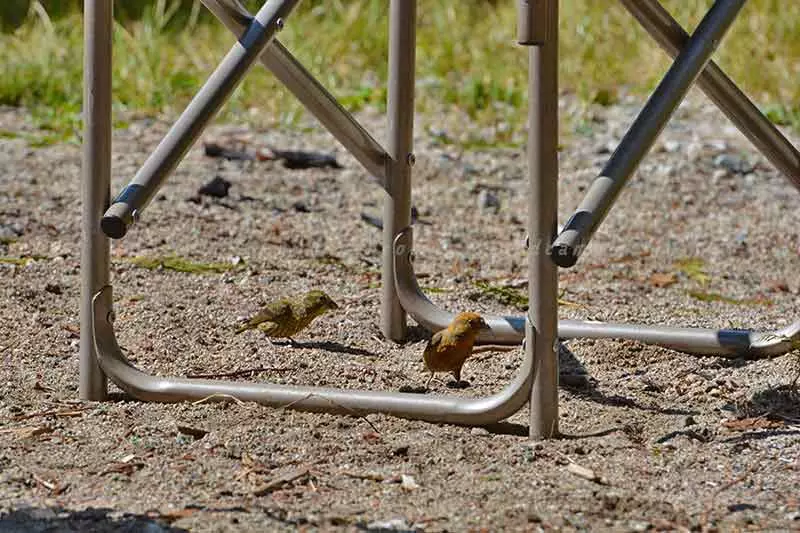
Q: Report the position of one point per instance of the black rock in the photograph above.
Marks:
(217, 188)
(297, 159)
(216, 150)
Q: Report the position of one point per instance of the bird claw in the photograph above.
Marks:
(458, 384)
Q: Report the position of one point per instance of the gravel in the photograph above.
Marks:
(673, 441)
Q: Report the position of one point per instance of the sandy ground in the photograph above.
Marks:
(705, 234)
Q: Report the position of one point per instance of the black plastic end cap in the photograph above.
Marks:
(563, 255)
(113, 226)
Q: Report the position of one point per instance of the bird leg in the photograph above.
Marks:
(429, 380)
(269, 341)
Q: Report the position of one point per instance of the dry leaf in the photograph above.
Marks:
(73, 330)
(196, 433)
(779, 286)
(127, 468)
(29, 432)
(663, 279)
(371, 437)
(38, 386)
(749, 424)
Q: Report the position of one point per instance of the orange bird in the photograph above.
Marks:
(449, 348)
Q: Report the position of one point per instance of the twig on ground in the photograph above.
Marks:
(28, 431)
(278, 482)
(582, 471)
(369, 476)
(709, 506)
(238, 373)
(54, 412)
(494, 348)
(54, 487)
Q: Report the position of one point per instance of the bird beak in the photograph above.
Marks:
(333, 305)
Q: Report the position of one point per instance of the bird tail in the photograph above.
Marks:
(242, 329)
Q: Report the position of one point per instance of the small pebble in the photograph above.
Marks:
(401, 451)
(488, 201)
(671, 146)
(53, 288)
(395, 524)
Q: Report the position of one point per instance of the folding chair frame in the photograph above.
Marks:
(100, 355)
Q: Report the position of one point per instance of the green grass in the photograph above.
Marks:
(468, 65)
(694, 269)
(180, 264)
(503, 295)
(21, 261)
(716, 297)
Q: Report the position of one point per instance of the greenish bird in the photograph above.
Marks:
(288, 317)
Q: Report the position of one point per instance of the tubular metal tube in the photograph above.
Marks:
(448, 409)
(721, 90)
(400, 114)
(576, 234)
(733, 343)
(122, 213)
(95, 183)
(540, 331)
(310, 93)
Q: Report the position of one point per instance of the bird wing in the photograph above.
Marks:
(435, 344)
(436, 348)
(274, 312)
(268, 327)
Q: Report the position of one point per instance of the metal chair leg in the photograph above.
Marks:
(95, 183)
(400, 113)
(542, 319)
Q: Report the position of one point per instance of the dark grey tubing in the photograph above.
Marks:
(577, 232)
(721, 90)
(448, 409)
(314, 97)
(130, 202)
(732, 343)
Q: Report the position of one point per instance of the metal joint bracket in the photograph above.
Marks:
(533, 21)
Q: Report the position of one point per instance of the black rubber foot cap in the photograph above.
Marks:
(564, 256)
(114, 227)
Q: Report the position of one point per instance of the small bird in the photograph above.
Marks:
(449, 348)
(285, 318)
